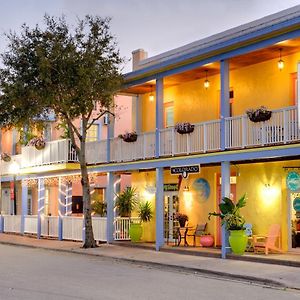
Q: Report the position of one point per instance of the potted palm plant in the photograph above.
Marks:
(234, 222)
(145, 214)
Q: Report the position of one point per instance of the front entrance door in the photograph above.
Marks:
(294, 221)
(7, 207)
(171, 207)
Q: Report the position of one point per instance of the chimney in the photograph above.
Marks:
(137, 56)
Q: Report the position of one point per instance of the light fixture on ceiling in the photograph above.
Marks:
(280, 62)
(151, 96)
(206, 82)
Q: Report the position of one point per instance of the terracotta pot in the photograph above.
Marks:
(207, 240)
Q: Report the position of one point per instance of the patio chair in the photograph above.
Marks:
(268, 242)
(198, 231)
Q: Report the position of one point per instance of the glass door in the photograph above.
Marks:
(171, 207)
(294, 241)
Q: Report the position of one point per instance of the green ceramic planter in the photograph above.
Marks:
(238, 241)
(135, 232)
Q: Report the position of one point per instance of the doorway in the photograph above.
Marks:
(294, 222)
(171, 207)
(7, 207)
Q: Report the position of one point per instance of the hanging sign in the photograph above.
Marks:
(293, 181)
(185, 170)
(296, 204)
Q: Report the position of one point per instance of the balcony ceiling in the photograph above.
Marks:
(288, 47)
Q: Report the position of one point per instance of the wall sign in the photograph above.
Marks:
(293, 181)
(296, 204)
(171, 187)
(185, 170)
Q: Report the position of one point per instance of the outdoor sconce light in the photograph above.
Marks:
(151, 96)
(206, 82)
(186, 189)
(280, 62)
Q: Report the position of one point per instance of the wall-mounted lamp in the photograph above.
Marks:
(186, 188)
(280, 62)
(206, 81)
(151, 96)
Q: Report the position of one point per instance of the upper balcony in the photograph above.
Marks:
(240, 133)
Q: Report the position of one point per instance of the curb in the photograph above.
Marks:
(209, 273)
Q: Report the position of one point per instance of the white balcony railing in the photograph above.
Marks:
(59, 151)
(96, 152)
(282, 128)
(205, 137)
(143, 148)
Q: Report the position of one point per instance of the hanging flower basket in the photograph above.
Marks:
(5, 157)
(260, 114)
(184, 128)
(129, 137)
(38, 142)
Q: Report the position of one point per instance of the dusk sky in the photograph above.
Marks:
(156, 26)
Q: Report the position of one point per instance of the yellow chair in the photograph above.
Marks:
(268, 242)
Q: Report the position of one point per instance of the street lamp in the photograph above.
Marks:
(14, 169)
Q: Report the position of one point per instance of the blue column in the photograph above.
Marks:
(110, 135)
(159, 110)
(110, 207)
(225, 192)
(61, 206)
(41, 202)
(225, 105)
(1, 224)
(159, 208)
(24, 205)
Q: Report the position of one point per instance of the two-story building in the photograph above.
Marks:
(210, 84)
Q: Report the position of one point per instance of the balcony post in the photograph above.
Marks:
(159, 208)
(159, 107)
(110, 207)
(69, 189)
(61, 207)
(225, 192)
(41, 201)
(138, 114)
(225, 105)
(24, 205)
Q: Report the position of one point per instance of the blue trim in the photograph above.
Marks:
(110, 207)
(217, 157)
(225, 106)
(159, 107)
(159, 209)
(193, 65)
(24, 206)
(225, 192)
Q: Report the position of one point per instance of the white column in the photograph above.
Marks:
(159, 109)
(110, 207)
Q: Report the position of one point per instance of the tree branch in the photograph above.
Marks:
(98, 117)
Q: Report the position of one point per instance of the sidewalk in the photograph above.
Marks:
(260, 273)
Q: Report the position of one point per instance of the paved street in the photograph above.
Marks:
(41, 274)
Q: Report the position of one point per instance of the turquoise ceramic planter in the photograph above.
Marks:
(238, 241)
(135, 232)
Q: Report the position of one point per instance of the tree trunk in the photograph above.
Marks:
(89, 241)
